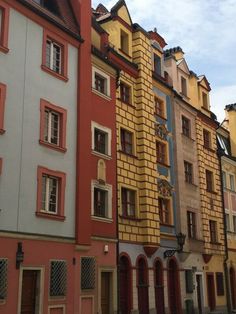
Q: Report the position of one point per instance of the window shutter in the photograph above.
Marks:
(189, 280)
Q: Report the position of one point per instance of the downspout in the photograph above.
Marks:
(220, 153)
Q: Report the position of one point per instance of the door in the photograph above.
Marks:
(105, 292)
(211, 292)
(199, 293)
(174, 288)
(124, 285)
(159, 288)
(143, 302)
(233, 287)
(29, 291)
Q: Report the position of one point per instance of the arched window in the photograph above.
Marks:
(174, 287)
(142, 285)
(125, 287)
(159, 287)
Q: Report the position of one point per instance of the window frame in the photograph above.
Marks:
(184, 89)
(191, 224)
(163, 153)
(62, 112)
(206, 139)
(167, 211)
(108, 189)
(123, 94)
(209, 180)
(59, 41)
(205, 103)
(59, 296)
(3, 93)
(124, 143)
(232, 182)
(213, 231)
(107, 92)
(61, 177)
(108, 132)
(159, 110)
(188, 172)
(4, 30)
(186, 126)
(157, 64)
(126, 202)
(124, 46)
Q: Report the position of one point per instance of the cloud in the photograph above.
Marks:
(220, 97)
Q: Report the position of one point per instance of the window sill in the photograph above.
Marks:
(4, 49)
(2, 131)
(50, 216)
(126, 103)
(184, 96)
(52, 146)
(108, 157)
(204, 108)
(166, 224)
(191, 184)
(130, 218)
(2, 301)
(209, 149)
(107, 97)
(159, 116)
(102, 219)
(125, 53)
(212, 192)
(55, 74)
(163, 164)
(127, 154)
(215, 243)
(188, 137)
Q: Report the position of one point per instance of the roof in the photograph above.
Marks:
(230, 107)
(203, 78)
(58, 12)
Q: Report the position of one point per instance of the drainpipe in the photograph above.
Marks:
(220, 153)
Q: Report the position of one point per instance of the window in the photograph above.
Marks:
(220, 284)
(157, 64)
(164, 210)
(51, 194)
(231, 182)
(213, 231)
(126, 139)
(88, 273)
(125, 93)
(100, 82)
(58, 278)
(204, 100)
(188, 171)
(227, 222)
(100, 202)
(3, 278)
(224, 179)
(183, 86)
(128, 199)
(159, 107)
(191, 221)
(53, 126)
(4, 26)
(186, 126)
(161, 152)
(124, 42)
(206, 139)
(209, 181)
(234, 224)
(55, 55)
(101, 139)
(3, 90)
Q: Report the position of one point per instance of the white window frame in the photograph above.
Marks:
(107, 82)
(108, 189)
(47, 194)
(231, 177)
(95, 125)
(52, 45)
(48, 126)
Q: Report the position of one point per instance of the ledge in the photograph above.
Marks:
(2, 131)
(55, 74)
(4, 49)
(127, 154)
(101, 155)
(130, 218)
(50, 216)
(53, 146)
(101, 94)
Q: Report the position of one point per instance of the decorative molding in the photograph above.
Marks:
(164, 188)
(161, 131)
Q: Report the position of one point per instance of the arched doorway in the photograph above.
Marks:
(125, 285)
(159, 287)
(233, 286)
(174, 287)
(142, 282)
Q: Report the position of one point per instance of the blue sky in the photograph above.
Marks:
(205, 30)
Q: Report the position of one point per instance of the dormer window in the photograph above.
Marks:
(204, 100)
(183, 86)
(50, 5)
(124, 42)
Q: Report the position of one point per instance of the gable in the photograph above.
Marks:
(204, 83)
(182, 65)
(124, 15)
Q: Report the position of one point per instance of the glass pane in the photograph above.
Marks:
(55, 128)
(48, 54)
(53, 183)
(46, 125)
(43, 204)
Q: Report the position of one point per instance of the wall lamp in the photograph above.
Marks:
(180, 240)
(19, 255)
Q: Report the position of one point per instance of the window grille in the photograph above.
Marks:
(58, 278)
(87, 273)
(3, 279)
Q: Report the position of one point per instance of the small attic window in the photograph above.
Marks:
(183, 86)
(204, 101)
(124, 42)
(157, 64)
(50, 5)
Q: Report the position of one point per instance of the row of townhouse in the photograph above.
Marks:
(111, 192)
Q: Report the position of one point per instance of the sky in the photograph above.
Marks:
(205, 30)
